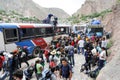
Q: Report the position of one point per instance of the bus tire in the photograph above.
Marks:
(36, 51)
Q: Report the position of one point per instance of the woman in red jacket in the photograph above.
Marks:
(73, 43)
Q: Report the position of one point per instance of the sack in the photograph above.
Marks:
(83, 67)
(94, 74)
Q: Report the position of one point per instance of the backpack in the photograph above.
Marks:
(71, 52)
(94, 74)
(68, 69)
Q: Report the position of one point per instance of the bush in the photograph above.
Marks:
(110, 44)
(94, 15)
(0, 18)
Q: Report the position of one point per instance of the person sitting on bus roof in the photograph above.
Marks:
(48, 19)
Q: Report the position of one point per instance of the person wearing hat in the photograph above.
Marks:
(53, 52)
(53, 56)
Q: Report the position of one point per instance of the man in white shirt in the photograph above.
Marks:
(102, 58)
(104, 43)
(81, 46)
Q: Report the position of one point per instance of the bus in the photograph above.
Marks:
(78, 28)
(94, 30)
(34, 36)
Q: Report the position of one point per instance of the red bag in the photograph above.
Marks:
(52, 64)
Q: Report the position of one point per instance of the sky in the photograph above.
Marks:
(69, 6)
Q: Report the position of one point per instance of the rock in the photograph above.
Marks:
(112, 69)
(93, 6)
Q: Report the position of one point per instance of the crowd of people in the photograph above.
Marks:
(59, 54)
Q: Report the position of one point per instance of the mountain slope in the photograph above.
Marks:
(111, 21)
(92, 6)
(29, 9)
(112, 69)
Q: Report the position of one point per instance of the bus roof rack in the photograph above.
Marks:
(95, 26)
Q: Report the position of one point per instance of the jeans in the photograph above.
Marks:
(38, 76)
(101, 64)
(71, 59)
(81, 49)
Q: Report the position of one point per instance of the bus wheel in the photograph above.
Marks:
(36, 51)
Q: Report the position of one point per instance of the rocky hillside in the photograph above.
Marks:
(30, 9)
(111, 21)
(112, 70)
(93, 6)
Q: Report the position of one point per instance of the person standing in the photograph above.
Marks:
(65, 70)
(38, 69)
(23, 58)
(102, 58)
(88, 58)
(81, 46)
(104, 44)
(19, 52)
(71, 54)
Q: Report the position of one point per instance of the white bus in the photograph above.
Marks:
(34, 36)
(77, 28)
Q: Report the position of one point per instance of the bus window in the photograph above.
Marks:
(49, 31)
(43, 32)
(11, 35)
(67, 30)
(26, 33)
(60, 30)
(63, 30)
(38, 32)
